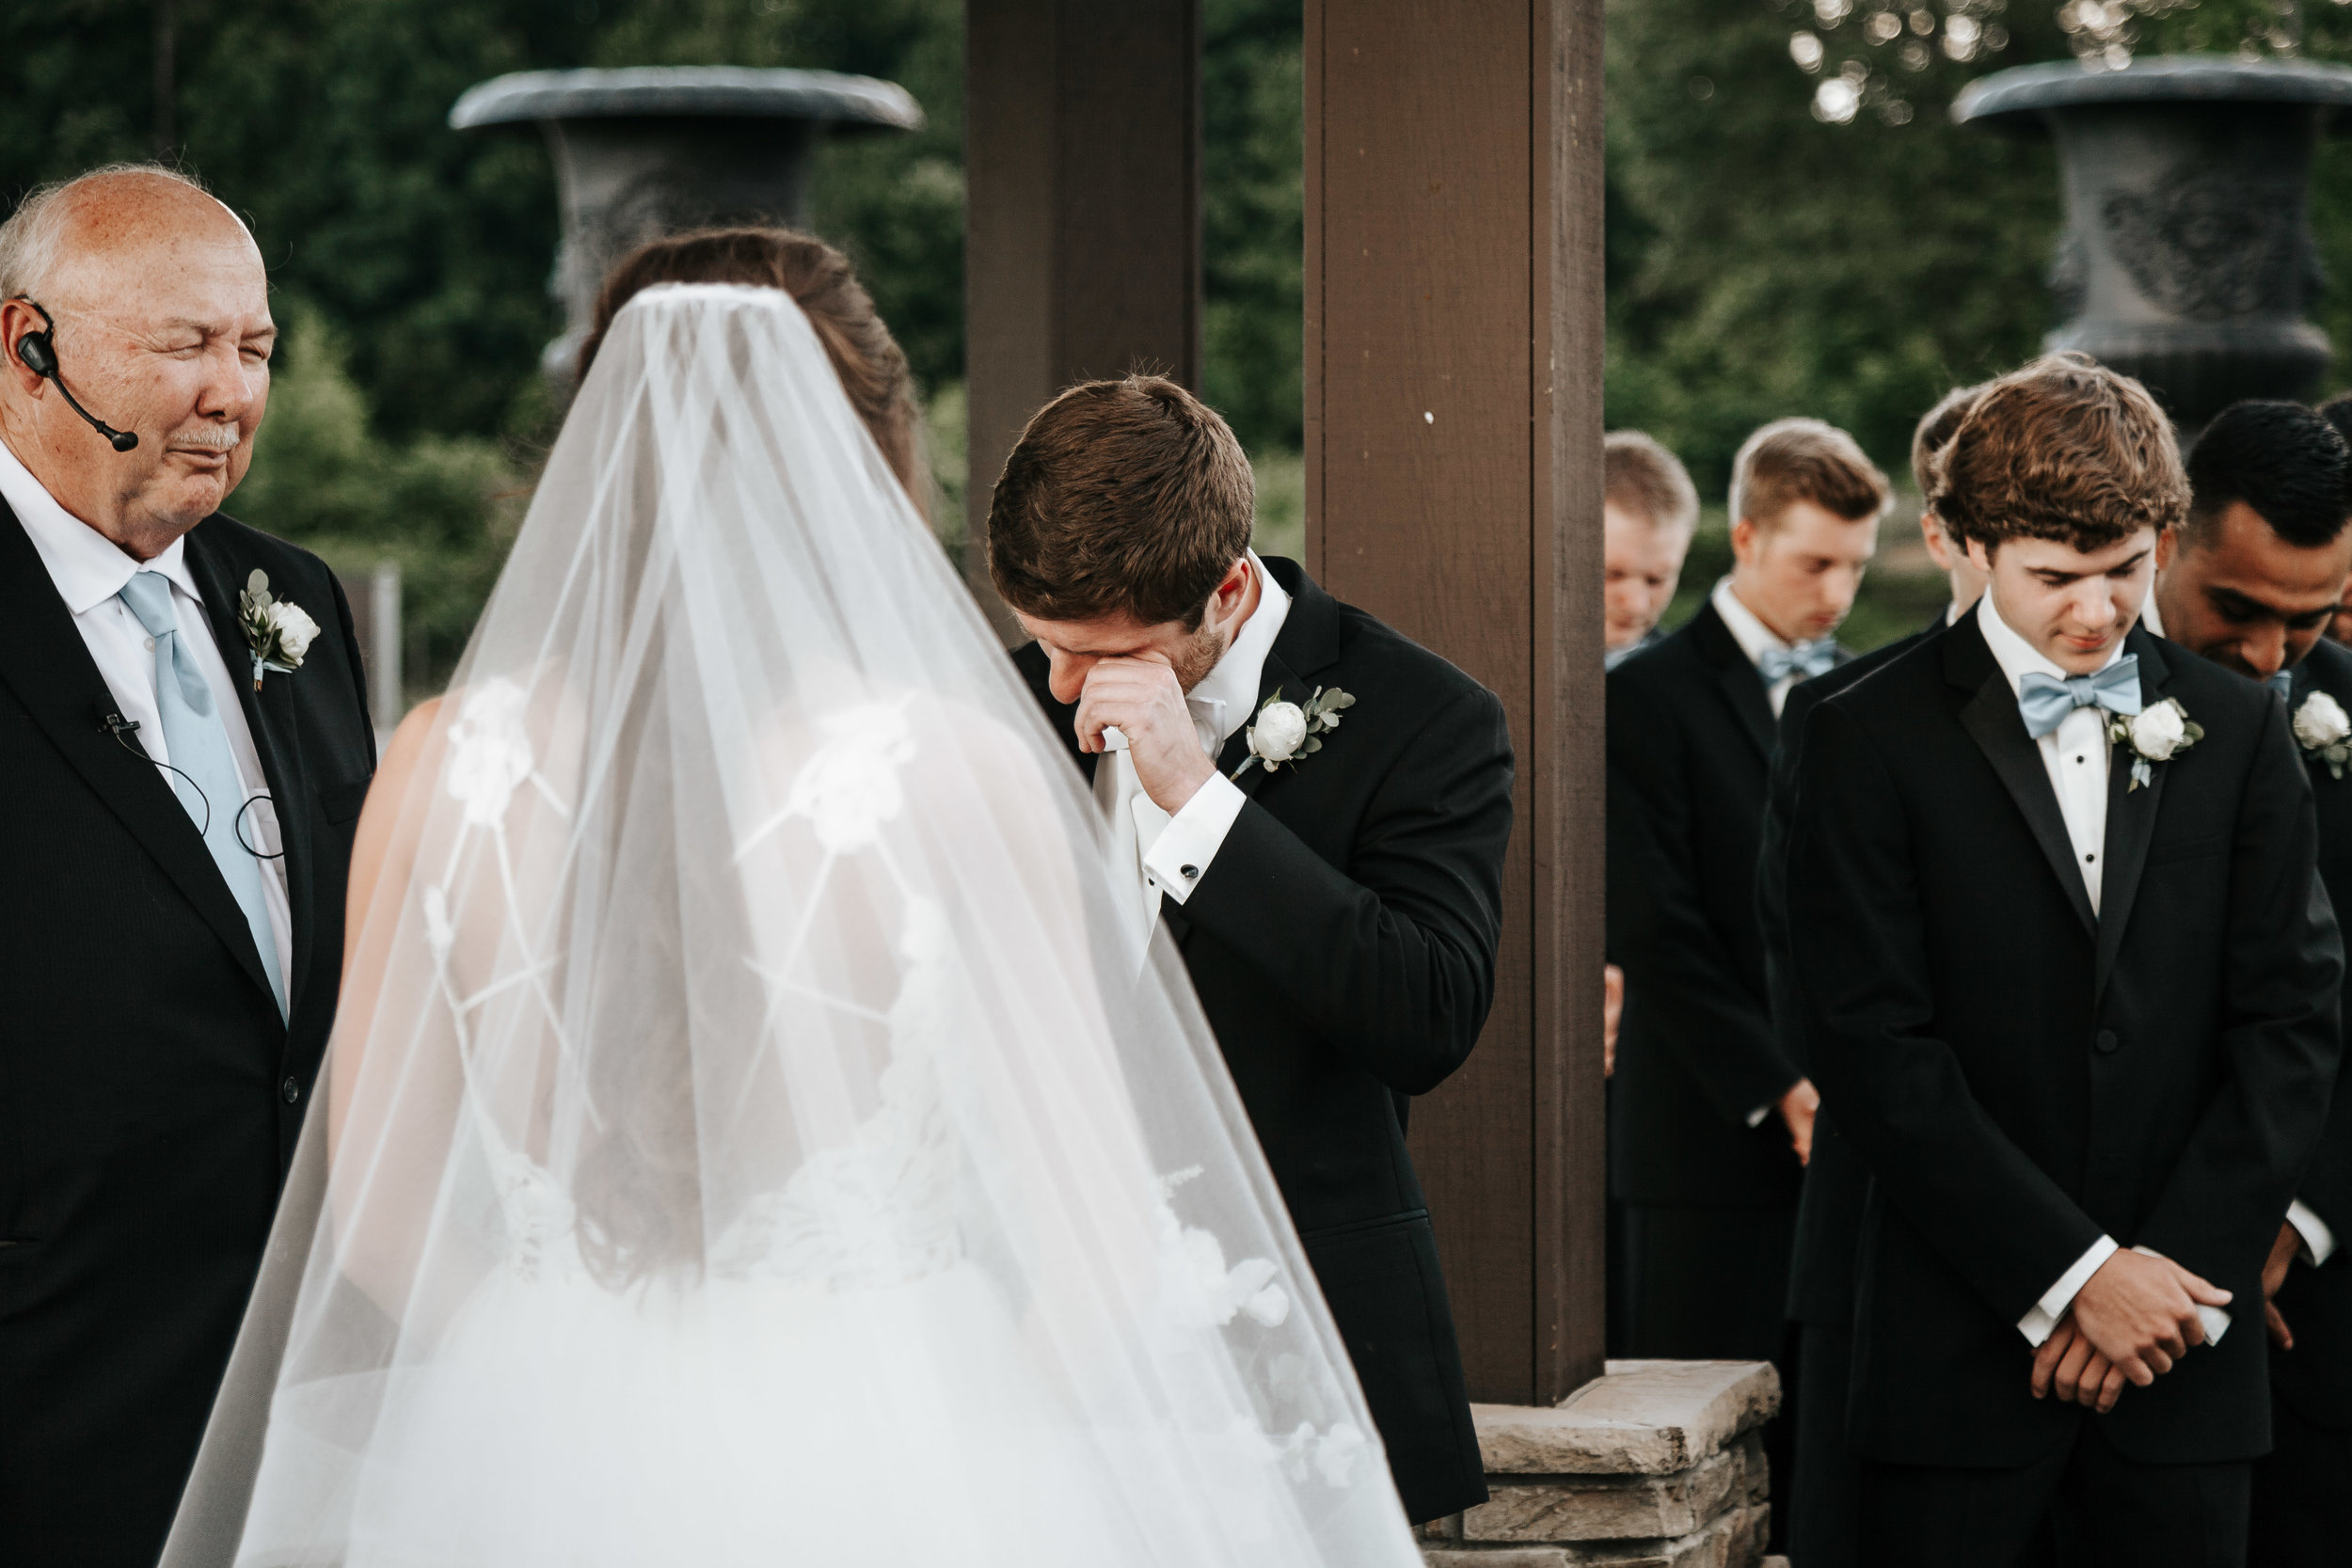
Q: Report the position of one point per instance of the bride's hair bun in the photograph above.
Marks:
(872, 368)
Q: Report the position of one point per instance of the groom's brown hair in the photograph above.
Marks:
(1122, 496)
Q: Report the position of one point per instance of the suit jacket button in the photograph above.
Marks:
(2106, 1042)
(290, 1091)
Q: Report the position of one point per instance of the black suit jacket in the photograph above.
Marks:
(2316, 1377)
(1829, 1205)
(1689, 739)
(1342, 944)
(2023, 1076)
(149, 1093)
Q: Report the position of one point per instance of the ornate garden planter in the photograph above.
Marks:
(2187, 259)
(653, 150)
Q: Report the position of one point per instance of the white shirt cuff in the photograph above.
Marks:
(2319, 1243)
(1180, 857)
(2042, 1319)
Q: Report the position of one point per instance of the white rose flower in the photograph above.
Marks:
(295, 628)
(1280, 730)
(2320, 722)
(2158, 732)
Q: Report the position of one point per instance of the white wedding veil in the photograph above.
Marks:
(751, 1135)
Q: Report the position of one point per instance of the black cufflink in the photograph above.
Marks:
(1192, 873)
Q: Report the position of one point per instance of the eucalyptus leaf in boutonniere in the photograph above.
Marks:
(1287, 731)
(277, 631)
(2154, 734)
(2323, 731)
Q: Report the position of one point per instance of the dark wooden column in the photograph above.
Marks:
(1453, 364)
(1081, 241)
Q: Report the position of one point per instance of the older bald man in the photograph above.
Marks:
(179, 772)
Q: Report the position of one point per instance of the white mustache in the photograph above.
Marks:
(207, 439)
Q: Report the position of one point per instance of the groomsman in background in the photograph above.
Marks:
(2251, 581)
(1650, 508)
(1712, 1119)
(2337, 410)
(1820, 1496)
(2068, 975)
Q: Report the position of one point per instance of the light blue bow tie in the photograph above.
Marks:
(2044, 701)
(1805, 661)
(2282, 682)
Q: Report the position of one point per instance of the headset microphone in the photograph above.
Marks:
(38, 350)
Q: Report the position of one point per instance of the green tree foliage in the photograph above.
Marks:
(1254, 210)
(1762, 262)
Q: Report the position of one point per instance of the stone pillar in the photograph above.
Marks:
(1656, 1464)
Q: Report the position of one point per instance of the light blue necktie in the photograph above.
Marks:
(2282, 682)
(1805, 661)
(199, 745)
(2044, 700)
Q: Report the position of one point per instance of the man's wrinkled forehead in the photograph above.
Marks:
(157, 249)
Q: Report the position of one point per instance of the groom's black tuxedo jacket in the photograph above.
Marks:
(2316, 1377)
(149, 1093)
(1342, 944)
(2022, 1075)
(1689, 741)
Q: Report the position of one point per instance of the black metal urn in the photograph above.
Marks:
(2187, 259)
(653, 150)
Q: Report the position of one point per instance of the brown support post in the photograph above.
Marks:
(1453, 419)
(1081, 237)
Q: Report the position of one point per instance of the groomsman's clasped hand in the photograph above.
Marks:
(2133, 1319)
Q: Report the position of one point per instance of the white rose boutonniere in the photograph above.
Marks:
(2325, 732)
(2154, 734)
(277, 631)
(1287, 731)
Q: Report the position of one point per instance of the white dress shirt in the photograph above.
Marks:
(2076, 756)
(2319, 1240)
(1753, 636)
(1163, 855)
(89, 570)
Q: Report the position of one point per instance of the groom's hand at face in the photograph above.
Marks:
(1140, 697)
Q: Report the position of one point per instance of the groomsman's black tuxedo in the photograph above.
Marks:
(2023, 1076)
(1343, 945)
(1820, 1493)
(149, 1089)
(2303, 1490)
(1711, 1199)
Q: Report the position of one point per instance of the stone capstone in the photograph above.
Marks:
(1657, 1463)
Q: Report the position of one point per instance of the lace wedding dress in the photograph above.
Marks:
(749, 1138)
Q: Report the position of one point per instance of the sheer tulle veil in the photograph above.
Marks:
(751, 1135)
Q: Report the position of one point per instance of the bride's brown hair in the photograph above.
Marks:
(872, 367)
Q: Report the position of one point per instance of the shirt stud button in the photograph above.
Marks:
(2088, 860)
(1192, 873)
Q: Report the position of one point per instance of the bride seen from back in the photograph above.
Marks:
(751, 1135)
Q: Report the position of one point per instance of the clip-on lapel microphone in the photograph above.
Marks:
(38, 350)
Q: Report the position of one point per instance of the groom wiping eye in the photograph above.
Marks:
(1313, 809)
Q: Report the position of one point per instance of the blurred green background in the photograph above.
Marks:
(1762, 259)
